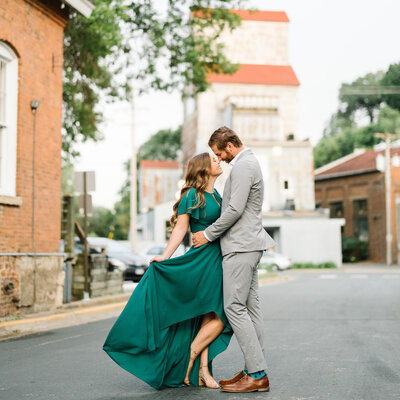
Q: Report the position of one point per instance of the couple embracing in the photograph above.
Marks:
(185, 309)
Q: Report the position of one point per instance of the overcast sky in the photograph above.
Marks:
(331, 42)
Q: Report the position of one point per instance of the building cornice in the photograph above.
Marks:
(85, 7)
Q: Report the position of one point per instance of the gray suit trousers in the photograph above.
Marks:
(242, 306)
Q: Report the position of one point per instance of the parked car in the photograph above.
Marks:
(157, 250)
(132, 265)
(278, 262)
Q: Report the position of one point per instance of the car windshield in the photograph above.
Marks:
(156, 250)
(111, 246)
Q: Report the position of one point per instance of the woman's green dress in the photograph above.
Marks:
(152, 336)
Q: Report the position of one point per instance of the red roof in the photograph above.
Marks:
(248, 15)
(159, 164)
(270, 16)
(259, 74)
(365, 162)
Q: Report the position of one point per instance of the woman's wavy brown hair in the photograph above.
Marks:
(197, 176)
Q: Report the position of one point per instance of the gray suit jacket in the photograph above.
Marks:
(240, 224)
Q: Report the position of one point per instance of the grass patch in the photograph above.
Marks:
(327, 265)
(266, 268)
(13, 317)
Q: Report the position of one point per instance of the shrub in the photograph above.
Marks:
(314, 266)
(354, 250)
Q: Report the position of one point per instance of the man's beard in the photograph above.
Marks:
(229, 156)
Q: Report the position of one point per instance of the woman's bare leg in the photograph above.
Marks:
(205, 378)
(211, 328)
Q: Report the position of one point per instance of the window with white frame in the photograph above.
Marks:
(8, 119)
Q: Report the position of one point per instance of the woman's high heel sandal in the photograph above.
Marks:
(193, 355)
(203, 381)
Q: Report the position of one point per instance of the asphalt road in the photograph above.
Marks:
(328, 335)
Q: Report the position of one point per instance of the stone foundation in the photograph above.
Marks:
(101, 281)
(25, 288)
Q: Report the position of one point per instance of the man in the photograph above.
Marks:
(243, 240)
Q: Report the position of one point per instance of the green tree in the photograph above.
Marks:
(392, 78)
(122, 207)
(345, 141)
(351, 103)
(125, 39)
(342, 135)
(388, 120)
(337, 123)
(163, 145)
(101, 222)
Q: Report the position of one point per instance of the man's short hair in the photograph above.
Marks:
(222, 136)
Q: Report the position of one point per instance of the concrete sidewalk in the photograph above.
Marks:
(75, 313)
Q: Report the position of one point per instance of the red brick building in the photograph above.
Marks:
(353, 188)
(31, 58)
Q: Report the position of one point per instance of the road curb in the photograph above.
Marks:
(68, 315)
(275, 279)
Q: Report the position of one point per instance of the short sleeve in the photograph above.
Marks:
(189, 199)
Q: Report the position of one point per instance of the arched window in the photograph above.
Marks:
(8, 119)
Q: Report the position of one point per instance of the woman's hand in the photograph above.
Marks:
(157, 259)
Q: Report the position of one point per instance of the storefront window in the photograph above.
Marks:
(360, 219)
(336, 209)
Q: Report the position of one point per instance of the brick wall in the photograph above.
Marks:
(367, 186)
(35, 32)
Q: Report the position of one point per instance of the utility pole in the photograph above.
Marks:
(133, 197)
(387, 137)
(86, 295)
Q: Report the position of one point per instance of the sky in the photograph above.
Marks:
(330, 43)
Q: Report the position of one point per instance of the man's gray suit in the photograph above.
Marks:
(243, 238)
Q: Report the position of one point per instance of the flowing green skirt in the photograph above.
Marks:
(152, 336)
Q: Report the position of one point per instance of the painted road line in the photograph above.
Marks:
(392, 276)
(358, 276)
(58, 340)
(328, 276)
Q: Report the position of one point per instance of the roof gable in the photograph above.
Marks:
(362, 163)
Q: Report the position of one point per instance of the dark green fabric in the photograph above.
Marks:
(152, 336)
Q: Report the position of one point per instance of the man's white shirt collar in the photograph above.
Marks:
(232, 163)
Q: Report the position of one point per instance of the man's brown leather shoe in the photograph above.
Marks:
(235, 379)
(248, 384)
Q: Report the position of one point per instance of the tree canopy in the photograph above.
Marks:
(130, 39)
(392, 78)
(163, 145)
(360, 102)
(343, 133)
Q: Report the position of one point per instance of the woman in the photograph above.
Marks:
(174, 324)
